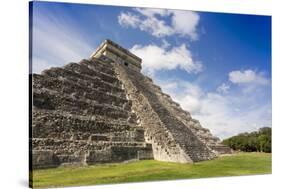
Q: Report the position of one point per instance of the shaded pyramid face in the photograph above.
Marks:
(104, 109)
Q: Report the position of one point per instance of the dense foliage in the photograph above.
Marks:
(257, 141)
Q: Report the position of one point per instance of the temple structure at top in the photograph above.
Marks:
(118, 54)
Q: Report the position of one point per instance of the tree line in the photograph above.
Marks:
(257, 141)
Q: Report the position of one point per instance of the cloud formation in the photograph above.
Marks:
(157, 58)
(247, 77)
(157, 23)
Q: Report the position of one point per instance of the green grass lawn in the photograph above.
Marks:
(151, 170)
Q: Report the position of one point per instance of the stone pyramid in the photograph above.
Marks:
(103, 109)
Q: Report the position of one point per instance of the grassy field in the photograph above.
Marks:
(151, 170)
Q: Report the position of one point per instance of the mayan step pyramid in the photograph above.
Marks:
(103, 109)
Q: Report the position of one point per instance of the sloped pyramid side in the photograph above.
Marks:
(81, 115)
(171, 139)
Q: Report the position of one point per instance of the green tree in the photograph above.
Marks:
(251, 142)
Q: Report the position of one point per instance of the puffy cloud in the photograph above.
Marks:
(185, 23)
(155, 22)
(223, 117)
(247, 77)
(158, 58)
(128, 20)
(151, 24)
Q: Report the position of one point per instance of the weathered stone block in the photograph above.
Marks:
(44, 159)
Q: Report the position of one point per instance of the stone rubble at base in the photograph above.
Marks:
(103, 109)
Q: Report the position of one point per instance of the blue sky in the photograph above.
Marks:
(216, 65)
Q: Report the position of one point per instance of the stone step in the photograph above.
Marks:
(98, 66)
(164, 145)
(81, 73)
(43, 99)
(64, 152)
(221, 149)
(54, 125)
(58, 113)
(181, 134)
(73, 146)
(84, 70)
(64, 77)
(104, 62)
(202, 134)
(77, 91)
(133, 135)
(53, 122)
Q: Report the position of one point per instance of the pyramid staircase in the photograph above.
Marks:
(81, 116)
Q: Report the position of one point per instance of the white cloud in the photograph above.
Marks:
(151, 24)
(220, 115)
(154, 21)
(185, 23)
(157, 58)
(247, 77)
(150, 12)
(128, 19)
(56, 42)
(223, 88)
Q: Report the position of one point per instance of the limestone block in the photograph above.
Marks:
(44, 159)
